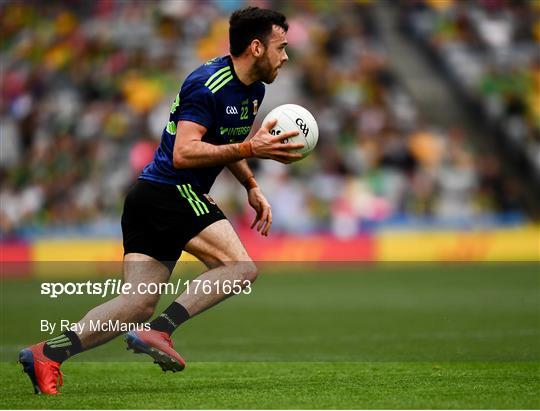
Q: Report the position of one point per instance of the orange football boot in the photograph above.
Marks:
(157, 345)
(44, 373)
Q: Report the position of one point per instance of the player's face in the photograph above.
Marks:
(268, 65)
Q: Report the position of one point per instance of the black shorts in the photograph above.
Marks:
(159, 219)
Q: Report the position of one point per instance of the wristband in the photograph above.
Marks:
(245, 149)
(250, 183)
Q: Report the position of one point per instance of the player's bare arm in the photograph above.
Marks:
(256, 198)
(263, 218)
(191, 152)
(242, 172)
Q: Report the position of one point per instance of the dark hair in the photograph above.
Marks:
(251, 23)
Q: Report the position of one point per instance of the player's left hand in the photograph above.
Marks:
(264, 212)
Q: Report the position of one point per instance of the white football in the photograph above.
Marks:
(292, 117)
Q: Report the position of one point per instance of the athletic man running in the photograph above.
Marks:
(168, 210)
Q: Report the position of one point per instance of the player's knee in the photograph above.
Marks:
(141, 308)
(250, 271)
(144, 310)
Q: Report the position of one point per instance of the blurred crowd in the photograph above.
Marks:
(491, 50)
(86, 91)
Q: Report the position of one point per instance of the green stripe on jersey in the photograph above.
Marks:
(171, 128)
(221, 78)
(175, 104)
(216, 87)
(217, 73)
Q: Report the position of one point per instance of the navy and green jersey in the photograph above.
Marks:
(214, 97)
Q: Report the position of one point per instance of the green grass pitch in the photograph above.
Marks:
(385, 336)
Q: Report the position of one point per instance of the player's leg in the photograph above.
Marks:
(219, 247)
(196, 224)
(144, 229)
(42, 361)
(132, 307)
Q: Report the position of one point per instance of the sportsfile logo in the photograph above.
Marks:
(117, 287)
(231, 110)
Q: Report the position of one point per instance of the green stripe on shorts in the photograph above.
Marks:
(201, 203)
(199, 206)
(191, 202)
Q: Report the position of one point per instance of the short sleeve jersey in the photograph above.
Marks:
(214, 97)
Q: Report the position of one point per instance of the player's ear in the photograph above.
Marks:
(257, 48)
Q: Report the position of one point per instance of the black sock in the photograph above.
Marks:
(62, 347)
(170, 319)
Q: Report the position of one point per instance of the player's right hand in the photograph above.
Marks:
(266, 145)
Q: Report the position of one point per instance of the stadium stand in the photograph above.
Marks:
(86, 92)
(489, 51)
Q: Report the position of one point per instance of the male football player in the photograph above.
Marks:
(168, 210)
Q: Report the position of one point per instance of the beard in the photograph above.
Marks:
(263, 69)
